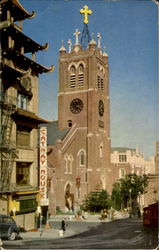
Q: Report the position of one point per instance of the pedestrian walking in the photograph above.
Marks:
(63, 225)
(139, 213)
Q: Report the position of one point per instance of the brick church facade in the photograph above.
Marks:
(79, 142)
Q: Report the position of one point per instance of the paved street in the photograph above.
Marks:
(119, 234)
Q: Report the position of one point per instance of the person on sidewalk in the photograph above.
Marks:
(63, 225)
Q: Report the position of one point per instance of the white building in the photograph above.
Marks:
(149, 166)
(129, 157)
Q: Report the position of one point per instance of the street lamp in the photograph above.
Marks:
(139, 212)
(78, 183)
(130, 203)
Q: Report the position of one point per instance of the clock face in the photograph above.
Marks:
(101, 108)
(76, 106)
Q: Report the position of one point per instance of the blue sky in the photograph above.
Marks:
(129, 31)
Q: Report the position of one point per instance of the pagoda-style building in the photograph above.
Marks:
(19, 185)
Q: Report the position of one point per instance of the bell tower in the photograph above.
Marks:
(83, 99)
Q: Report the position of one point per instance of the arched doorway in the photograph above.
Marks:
(69, 198)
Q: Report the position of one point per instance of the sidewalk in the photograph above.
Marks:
(45, 234)
(54, 222)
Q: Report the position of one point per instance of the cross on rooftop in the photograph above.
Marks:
(99, 38)
(86, 12)
(76, 34)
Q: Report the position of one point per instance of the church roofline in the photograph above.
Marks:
(24, 12)
(54, 133)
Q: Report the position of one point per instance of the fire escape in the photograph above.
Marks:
(7, 146)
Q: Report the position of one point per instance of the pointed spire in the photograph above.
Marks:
(92, 42)
(62, 49)
(69, 45)
(105, 54)
(85, 39)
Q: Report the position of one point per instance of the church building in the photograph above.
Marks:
(79, 142)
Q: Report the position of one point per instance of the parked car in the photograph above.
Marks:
(150, 215)
(8, 227)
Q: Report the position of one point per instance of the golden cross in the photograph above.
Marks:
(86, 12)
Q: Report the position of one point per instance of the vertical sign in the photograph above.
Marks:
(43, 166)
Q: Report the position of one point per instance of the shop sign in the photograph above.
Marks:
(43, 166)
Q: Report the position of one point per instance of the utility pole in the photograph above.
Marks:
(0, 101)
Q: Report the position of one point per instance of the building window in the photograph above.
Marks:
(98, 82)
(122, 158)
(23, 102)
(69, 123)
(70, 161)
(82, 158)
(121, 173)
(23, 173)
(102, 85)
(29, 205)
(100, 78)
(68, 164)
(81, 69)
(80, 75)
(72, 77)
(7, 220)
(73, 70)
(23, 136)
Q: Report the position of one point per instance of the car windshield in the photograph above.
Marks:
(7, 220)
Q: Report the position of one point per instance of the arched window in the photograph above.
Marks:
(81, 68)
(66, 164)
(72, 70)
(80, 75)
(100, 77)
(72, 76)
(82, 158)
(69, 123)
(70, 161)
